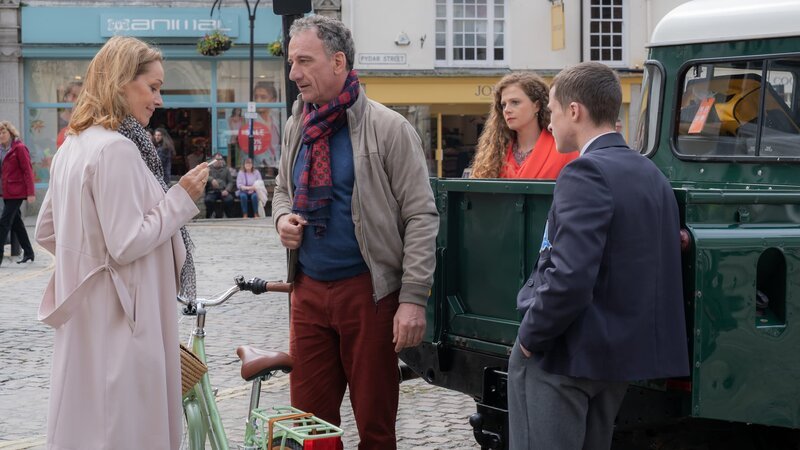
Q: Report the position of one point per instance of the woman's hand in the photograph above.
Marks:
(31, 199)
(194, 182)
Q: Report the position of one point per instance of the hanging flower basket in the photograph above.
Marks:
(276, 48)
(214, 44)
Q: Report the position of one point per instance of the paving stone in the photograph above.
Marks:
(225, 248)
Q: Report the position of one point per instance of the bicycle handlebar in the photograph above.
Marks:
(258, 286)
(255, 285)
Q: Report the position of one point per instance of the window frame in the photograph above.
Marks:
(587, 35)
(490, 61)
(654, 118)
(678, 95)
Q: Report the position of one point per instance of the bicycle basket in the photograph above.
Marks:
(192, 369)
(281, 426)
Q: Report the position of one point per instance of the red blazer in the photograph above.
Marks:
(17, 172)
(544, 162)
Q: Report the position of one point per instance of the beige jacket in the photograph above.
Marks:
(394, 212)
(115, 379)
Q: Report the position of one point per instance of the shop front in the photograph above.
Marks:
(204, 97)
(449, 112)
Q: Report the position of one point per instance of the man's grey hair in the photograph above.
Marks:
(335, 36)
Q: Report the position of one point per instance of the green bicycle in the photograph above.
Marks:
(280, 427)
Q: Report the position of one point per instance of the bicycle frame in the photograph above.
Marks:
(199, 405)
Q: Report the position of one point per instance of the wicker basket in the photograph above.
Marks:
(192, 369)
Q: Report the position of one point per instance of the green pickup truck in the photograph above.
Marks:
(720, 116)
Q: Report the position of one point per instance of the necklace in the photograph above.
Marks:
(519, 156)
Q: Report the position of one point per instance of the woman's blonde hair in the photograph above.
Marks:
(101, 101)
(12, 130)
(493, 143)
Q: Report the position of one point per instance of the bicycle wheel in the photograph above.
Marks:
(290, 444)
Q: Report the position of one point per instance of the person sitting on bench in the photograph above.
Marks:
(219, 187)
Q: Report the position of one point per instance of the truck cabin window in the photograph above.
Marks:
(728, 111)
(646, 136)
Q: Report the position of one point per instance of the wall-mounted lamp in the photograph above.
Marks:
(422, 40)
(402, 39)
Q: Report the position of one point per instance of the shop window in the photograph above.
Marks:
(54, 81)
(728, 111)
(419, 116)
(232, 134)
(186, 82)
(233, 81)
(40, 138)
(470, 32)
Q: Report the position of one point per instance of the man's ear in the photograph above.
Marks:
(575, 111)
(339, 62)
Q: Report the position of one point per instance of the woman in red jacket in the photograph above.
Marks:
(17, 176)
(515, 142)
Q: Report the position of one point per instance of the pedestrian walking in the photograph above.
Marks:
(16, 173)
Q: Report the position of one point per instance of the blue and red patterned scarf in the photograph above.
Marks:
(314, 191)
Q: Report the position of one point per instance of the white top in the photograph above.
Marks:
(727, 20)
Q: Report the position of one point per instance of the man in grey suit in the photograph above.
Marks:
(604, 303)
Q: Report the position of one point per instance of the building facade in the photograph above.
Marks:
(10, 68)
(438, 60)
(205, 97)
(435, 61)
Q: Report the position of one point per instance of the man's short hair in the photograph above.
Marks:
(593, 85)
(335, 36)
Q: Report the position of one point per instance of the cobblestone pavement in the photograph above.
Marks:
(429, 417)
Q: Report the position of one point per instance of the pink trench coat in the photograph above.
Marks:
(115, 381)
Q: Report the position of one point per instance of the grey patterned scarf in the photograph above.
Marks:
(134, 131)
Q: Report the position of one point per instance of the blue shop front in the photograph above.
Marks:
(204, 97)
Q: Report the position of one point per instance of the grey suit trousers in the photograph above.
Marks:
(555, 412)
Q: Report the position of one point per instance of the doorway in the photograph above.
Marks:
(190, 130)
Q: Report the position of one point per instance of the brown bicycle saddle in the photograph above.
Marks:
(258, 363)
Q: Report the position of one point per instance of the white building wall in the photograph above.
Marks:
(528, 24)
(377, 23)
(637, 32)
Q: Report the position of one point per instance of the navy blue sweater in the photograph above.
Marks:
(336, 255)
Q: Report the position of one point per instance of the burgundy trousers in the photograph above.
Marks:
(340, 337)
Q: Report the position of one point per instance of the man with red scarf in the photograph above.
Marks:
(354, 206)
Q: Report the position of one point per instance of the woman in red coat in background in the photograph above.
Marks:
(515, 142)
(17, 176)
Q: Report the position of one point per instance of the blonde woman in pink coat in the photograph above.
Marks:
(121, 254)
